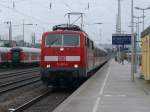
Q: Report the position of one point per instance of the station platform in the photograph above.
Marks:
(110, 90)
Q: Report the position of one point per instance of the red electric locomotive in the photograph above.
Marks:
(67, 56)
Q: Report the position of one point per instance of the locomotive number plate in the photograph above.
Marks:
(61, 58)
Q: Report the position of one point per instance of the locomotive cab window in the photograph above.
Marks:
(53, 40)
(70, 40)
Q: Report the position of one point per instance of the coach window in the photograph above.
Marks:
(88, 42)
(92, 44)
(53, 40)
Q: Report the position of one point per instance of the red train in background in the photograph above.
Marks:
(68, 55)
(16, 56)
(25, 56)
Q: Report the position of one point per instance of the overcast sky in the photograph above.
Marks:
(39, 12)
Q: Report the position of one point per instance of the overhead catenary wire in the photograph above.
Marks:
(25, 15)
(67, 6)
(21, 13)
(18, 1)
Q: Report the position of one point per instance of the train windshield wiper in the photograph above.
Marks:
(52, 43)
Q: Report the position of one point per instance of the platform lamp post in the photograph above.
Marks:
(135, 47)
(138, 22)
(137, 40)
(143, 10)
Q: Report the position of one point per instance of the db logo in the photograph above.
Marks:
(61, 58)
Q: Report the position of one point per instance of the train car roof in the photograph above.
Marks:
(71, 27)
(4, 49)
(101, 48)
(27, 49)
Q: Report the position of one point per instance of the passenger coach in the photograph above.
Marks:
(67, 55)
(4, 56)
(25, 56)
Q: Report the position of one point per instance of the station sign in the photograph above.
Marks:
(121, 39)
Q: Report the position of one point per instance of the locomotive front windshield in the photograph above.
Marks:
(53, 40)
(58, 40)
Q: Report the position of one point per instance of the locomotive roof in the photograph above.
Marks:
(68, 27)
(27, 49)
(64, 31)
(4, 49)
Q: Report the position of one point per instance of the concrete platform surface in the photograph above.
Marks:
(109, 90)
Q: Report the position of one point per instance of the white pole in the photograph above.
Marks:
(138, 39)
(119, 14)
(23, 32)
(132, 42)
(10, 34)
(143, 20)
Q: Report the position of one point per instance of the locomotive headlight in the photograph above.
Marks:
(76, 66)
(61, 49)
(48, 66)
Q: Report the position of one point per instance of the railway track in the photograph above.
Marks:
(53, 96)
(18, 84)
(5, 69)
(18, 70)
(13, 82)
(50, 100)
(13, 74)
(30, 103)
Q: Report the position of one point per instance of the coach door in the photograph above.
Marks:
(16, 56)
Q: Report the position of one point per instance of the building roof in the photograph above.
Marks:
(145, 32)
